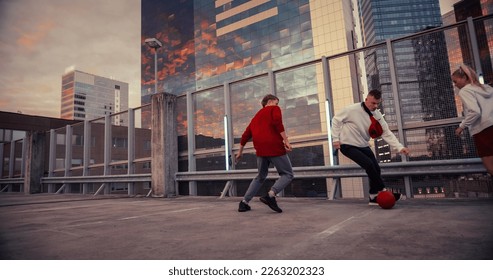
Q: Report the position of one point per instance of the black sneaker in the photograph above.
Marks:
(373, 201)
(244, 207)
(397, 196)
(271, 202)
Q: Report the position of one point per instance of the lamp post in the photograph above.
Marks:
(154, 44)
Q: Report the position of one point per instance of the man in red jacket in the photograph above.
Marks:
(271, 145)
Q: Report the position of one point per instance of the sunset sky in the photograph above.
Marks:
(39, 40)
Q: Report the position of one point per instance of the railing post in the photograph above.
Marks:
(34, 169)
(107, 151)
(474, 46)
(334, 184)
(273, 91)
(230, 187)
(23, 162)
(192, 185)
(12, 159)
(23, 157)
(131, 148)
(329, 108)
(1, 160)
(164, 145)
(11, 163)
(68, 156)
(397, 104)
(87, 154)
(52, 159)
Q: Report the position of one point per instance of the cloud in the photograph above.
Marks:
(40, 39)
(31, 40)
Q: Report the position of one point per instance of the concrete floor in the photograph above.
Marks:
(77, 227)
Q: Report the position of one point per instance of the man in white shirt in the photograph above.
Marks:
(350, 134)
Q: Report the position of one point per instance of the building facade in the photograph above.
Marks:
(86, 96)
(476, 8)
(208, 43)
(422, 70)
(220, 57)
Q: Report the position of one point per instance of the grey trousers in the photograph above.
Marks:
(283, 167)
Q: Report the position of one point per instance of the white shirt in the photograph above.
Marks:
(350, 126)
(478, 107)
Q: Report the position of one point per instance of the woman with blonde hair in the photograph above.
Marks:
(477, 101)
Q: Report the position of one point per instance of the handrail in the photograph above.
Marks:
(433, 167)
(19, 180)
(132, 178)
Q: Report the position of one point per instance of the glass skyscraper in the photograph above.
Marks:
(207, 43)
(221, 57)
(422, 70)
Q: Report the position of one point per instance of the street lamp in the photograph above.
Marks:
(155, 44)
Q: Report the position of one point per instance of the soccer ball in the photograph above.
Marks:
(386, 199)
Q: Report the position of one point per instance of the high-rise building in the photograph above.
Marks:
(206, 43)
(476, 8)
(86, 96)
(219, 57)
(210, 42)
(421, 68)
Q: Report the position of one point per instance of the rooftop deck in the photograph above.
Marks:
(83, 227)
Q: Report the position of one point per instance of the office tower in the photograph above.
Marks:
(421, 67)
(86, 96)
(452, 40)
(207, 43)
(476, 8)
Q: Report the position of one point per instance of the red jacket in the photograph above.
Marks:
(265, 129)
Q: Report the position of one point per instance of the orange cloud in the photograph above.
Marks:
(30, 40)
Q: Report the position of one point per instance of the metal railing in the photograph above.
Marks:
(71, 164)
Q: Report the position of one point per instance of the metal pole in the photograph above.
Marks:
(131, 149)
(1, 160)
(397, 104)
(192, 166)
(68, 155)
(474, 47)
(155, 70)
(86, 154)
(52, 158)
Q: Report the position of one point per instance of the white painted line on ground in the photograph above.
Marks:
(335, 228)
(161, 213)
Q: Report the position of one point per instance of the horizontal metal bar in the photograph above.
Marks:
(133, 178)
(139, 160)
(433, 123)
(118, 162)
(12, 181)
(434, 167)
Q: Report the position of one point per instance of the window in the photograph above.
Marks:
(77, 140)
(120, 142)
(60, 139)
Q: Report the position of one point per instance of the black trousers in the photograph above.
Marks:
(365, 158)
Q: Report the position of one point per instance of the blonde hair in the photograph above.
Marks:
(469, 74)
